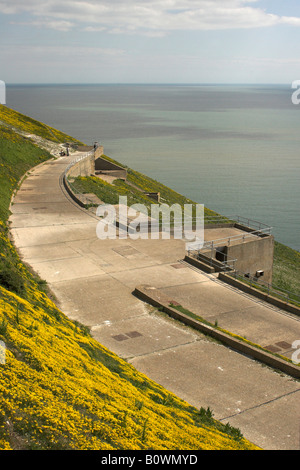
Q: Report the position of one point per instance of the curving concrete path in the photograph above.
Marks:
(93, 281)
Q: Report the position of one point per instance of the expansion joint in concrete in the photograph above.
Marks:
(259, 405)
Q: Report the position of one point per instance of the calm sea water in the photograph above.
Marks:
(234, 149)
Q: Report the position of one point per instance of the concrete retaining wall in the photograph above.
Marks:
(106, 167)
(99, 151)
(71, 193)
(144, 294)
(261, 295)
(85, 167)
(199, 264)
(254, 255)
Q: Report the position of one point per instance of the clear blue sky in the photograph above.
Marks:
(149, 41)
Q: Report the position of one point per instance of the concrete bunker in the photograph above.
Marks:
(243, 246)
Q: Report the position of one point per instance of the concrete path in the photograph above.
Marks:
(93, 281)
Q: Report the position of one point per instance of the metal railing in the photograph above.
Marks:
(237, 219)
(82, 198)
(250, 223)
(269, 289)
(259, 230)
(77, 160)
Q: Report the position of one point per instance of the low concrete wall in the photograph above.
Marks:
(199, 264)
(261, 295)
(144, 294)
(254, 255)
(106, 167)
(85, 167)
(71, 193)
(99, 151)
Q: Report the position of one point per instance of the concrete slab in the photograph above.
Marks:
(163, 251)
(57, 208)
(232, 386)
(48, 235)
(268, 423)
(114, 256)
(160, 276)
(41, 253)
(63, 269)
(97, 300)
(28, 197)
(208, 299)
(142, 335)
(238, 313)
(42, 217)
(223, 233)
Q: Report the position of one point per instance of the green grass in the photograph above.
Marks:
(286, 271)
(134, 189)
(286, 268)
(286, 275)
(17, 156)
(14, 119)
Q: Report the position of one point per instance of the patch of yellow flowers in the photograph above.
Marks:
(60, 389)
(18, 121)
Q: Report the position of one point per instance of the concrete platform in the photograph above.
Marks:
(94, 279)
(223, 233)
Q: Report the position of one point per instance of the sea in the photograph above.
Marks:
(233, 148)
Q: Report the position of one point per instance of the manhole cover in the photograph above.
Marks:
(134, 334)
(177, 266)
(284, 345)
(272, 348)
(120, 337)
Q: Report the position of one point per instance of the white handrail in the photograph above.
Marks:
(78, 159)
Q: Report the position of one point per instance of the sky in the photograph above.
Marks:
(149, 41)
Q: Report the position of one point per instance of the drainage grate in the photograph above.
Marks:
(284, 345)
(281, 345)
(134, 334)
(120, 337)
(131, 334)
(272, 348)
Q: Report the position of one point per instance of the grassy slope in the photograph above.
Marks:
(59, 388)
(286, 270)
(134, 188)
(14, 119)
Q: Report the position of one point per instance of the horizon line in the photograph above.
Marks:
(143, 83)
